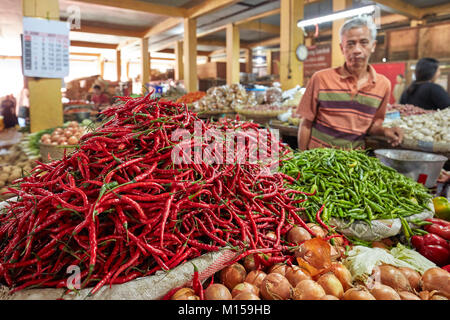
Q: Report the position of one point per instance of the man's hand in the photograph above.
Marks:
(394, 135)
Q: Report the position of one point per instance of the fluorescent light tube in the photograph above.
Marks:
(336, 16)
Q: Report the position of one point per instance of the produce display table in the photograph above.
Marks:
(215, 115)
(284, 128)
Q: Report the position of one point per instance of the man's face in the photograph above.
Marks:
(357, 46)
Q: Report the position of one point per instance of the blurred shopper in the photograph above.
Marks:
(424, 92)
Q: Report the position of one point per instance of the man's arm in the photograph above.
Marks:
(394, 135)
(304, 134)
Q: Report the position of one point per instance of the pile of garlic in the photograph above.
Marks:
(431, 127)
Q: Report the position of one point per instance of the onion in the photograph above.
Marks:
(244, 287)
(331, 284)
(46, 141)
(318, 230)
(279, 268)
(217, 291)
(68, 133)
(231, 275)
(271, 235)
(328, 297)
(55, 137)
(413, 277)
(249, 263)
(437, 279)
(392, 277)
(316, 252)
(379, 244)
(383, 292)
(343, 274)
(295, 274)
(405, 295)
(298, 235)
(185, 294)
(45, 136)
(61, 140)
(58, 131)
(308, 290)
(358, 293)
(255, 277)
(438, 297)
(246, 296)
(72, 140)
(275, 287)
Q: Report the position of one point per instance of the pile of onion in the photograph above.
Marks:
(64, 136)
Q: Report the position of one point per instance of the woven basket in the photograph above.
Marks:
(53, 152)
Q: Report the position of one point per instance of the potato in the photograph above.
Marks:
(16, 174)
(7, 169)
(2, 183)
(4, 177)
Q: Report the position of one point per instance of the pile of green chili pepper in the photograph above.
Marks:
(354, 186)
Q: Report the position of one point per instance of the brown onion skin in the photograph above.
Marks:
(358, 293)
(331, 284)
(295, 274)
(275, 287)
(384, 292)
(249, 263)
(437, 279)
(308, 290)
(438, 297)
(244, 287)
(255, 277)
(185, 294)
(246, 296)
(392, 277)
(379, 244)
(217, 291)
(413, 277)
(231, 275)
(343, 274)
(271, 235)
(328, 297)
(279, 268)
(297, 235)
(318, 230)
(405, 295)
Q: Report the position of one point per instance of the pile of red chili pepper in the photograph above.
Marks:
(191, 97)
(119, 208)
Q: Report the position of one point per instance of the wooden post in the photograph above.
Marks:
(179, 60)
(46, 109)
(119, 65)
(248, 60)
(337, 58)
(233, 47)
(269, 61)
(128, 70)
(291, 69)
(102, 67)
(145, 64)
(190, 55)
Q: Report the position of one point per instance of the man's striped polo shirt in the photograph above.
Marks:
(341, 113)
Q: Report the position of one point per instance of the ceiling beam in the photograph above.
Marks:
(401, 7)
(127, 43)
(163, 26)
(440, 9)
(259, 16)
(258, 26)
(219, 43)
(265, 43)
(87, 44)
(211, 31)
(199, 53)
(209, 6)
(108, 30)
(142, 6)
(86, 54)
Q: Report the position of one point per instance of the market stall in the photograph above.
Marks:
(305, 231)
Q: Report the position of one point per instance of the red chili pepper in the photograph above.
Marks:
(438, 254)
(442, 231)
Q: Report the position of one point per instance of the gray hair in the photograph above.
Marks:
(359, 22)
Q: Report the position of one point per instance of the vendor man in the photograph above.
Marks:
(343, 105)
